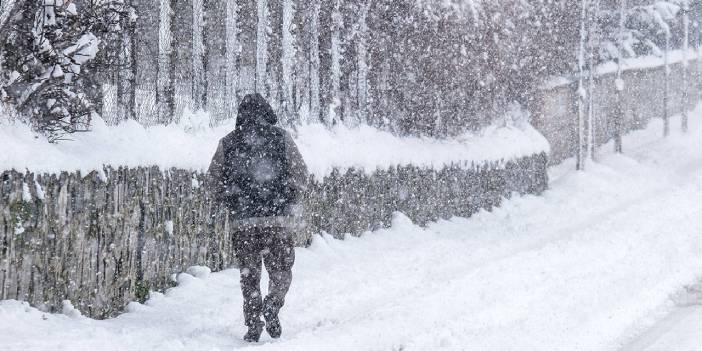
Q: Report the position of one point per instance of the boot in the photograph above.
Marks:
(254, 333)
(272, 323)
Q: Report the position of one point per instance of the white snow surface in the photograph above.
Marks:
(368, 148)
(191, 145)
(678, 330)
(586, 266)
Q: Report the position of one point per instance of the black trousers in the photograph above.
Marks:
(274, 248)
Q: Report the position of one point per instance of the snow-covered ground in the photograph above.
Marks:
(590, 265)
(679, 329)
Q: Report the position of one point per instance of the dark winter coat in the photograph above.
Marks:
(257, 171)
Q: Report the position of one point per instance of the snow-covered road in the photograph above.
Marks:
(588, 266)
(679, 330)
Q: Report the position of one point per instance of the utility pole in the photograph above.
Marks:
(619, 82)
(592, 37)
(581, 89)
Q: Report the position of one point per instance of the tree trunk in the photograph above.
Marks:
(288, 57)
(133, 66)
(262, 47)
(165, 81)
(334, 115)
(315, 86)
(686, 41)
(592, 37)
(198, 59)
(232, 55)
(173, 54)
(362, 52)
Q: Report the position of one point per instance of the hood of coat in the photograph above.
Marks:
(254, 111)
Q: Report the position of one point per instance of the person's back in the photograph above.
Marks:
(257, 171)
(259, 176)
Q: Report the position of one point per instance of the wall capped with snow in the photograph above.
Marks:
(554, 108)
(104, 238)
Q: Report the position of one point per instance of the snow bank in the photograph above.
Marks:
(128, 144)
(190, 145)
(368, 148)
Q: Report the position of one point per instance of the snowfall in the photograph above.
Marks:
(606, 259)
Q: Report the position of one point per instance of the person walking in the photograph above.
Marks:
(259, 176)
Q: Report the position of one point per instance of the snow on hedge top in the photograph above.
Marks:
(369, 149)
(191, 146)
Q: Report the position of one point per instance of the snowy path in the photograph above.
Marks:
(679, 330)
(585, 267)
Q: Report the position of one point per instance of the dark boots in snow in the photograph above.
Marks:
(254, 332)
(272, 323)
